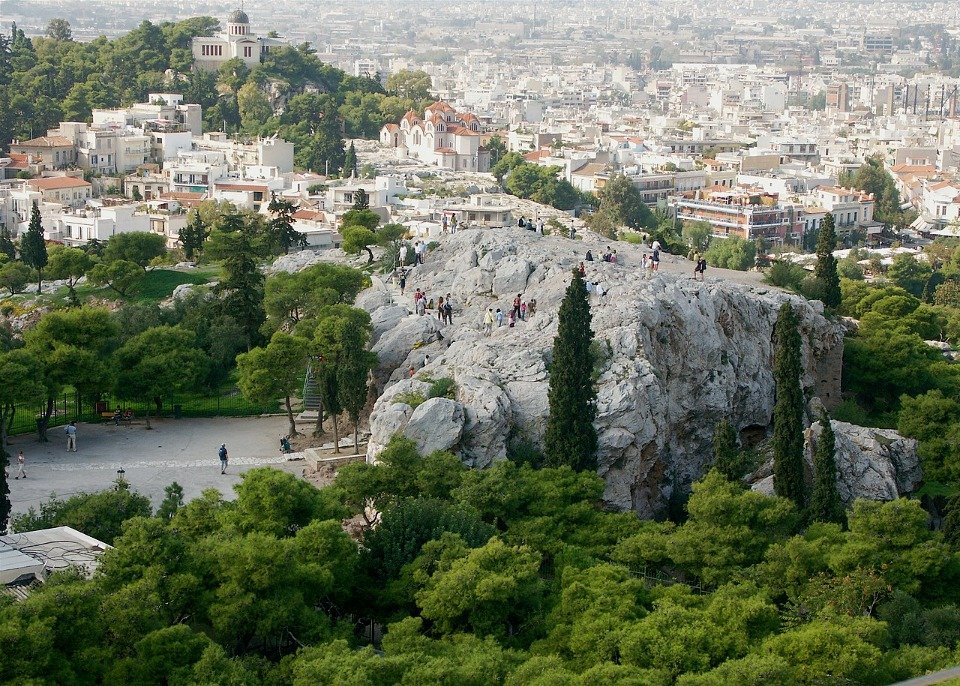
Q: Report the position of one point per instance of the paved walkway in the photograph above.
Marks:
(183, 450)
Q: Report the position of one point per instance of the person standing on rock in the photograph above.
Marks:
(448, 310)
(441, 310)
(421, 305)
(582, 269)
(516, 306)
(403, 281)
(532, 307)
(499, 317)
(488, 322)
(222, 453)
(655, 258)
(700, 268)
(402, 255)
(523, 312)
(643, 264)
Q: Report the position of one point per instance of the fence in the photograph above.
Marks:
(228, 402)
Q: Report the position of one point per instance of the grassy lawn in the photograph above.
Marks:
(158, 284)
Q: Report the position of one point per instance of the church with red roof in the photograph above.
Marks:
(443, 136)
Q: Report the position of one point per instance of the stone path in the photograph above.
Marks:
(183, 450)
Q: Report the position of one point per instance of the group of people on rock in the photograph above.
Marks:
(528, 224)
(419, 252)
(520, 311)
(444, 306)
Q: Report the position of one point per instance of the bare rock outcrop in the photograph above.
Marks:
(674, 356)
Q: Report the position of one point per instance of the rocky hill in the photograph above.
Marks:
(676, 356)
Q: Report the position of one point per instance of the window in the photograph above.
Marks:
(247, 51)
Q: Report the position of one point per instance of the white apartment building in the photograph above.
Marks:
(195, 171)
(850, 207)
(65, 190)
(101, 223)
(16, 204)
(168, 108)
(236, 42)
(264, 152)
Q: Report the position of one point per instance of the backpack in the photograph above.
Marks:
(222, 452)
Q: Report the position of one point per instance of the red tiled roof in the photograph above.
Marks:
(46, 142)
(308, 214)
(392, 127)
(535, 155)
(440, 106)
(57, 182)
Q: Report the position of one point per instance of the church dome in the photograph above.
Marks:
(238, 17)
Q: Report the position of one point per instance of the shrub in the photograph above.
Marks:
(786, 275)
(443, 388)
(631, 237)
(413, 398)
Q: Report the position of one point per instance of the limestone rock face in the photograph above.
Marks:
(435, 425)
(674, 356)
(876, 464)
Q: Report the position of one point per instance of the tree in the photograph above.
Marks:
(283, 236)
(138, 247)
(350, 165)
(290, 298)
(69, 264)
(254, 107)
(697, 235)
(241, 282)
(826, 270)
(14, 276)
(172, 501)
(410, 84)
(274, 371)
(6, 243)
(731, 253)
(337, 329)
(193, 236)
(825, 505)
(788, 479)
(33, 249)
(74, 348)
(910, 273)
(121, 276)
(621, 200)
(59, 30)
(21, 376)
(497, 149)
(160, 361)
(571, 438)
(353, 373)
(100, 514)
(726, 455)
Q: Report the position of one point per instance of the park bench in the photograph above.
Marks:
(126, 416)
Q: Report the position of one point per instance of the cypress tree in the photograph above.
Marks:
(788, 411)
(350, 161)
(33, 250)
(241, 281)
(826, 272)
(6, 243)
(825, 505)
(571, 438)
(726, 454)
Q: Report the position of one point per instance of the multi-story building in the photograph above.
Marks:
(78, 227)
(66, 190)
(160, 107)
(738, 214)
(236, 42)
(53, 151)
(851, 208)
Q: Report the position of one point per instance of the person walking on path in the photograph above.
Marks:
(499, 317)
(655, 258)
(488, 322)
(223, 458)
(402, 255)
(20, 463)
(403, 281)
(71, 432)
